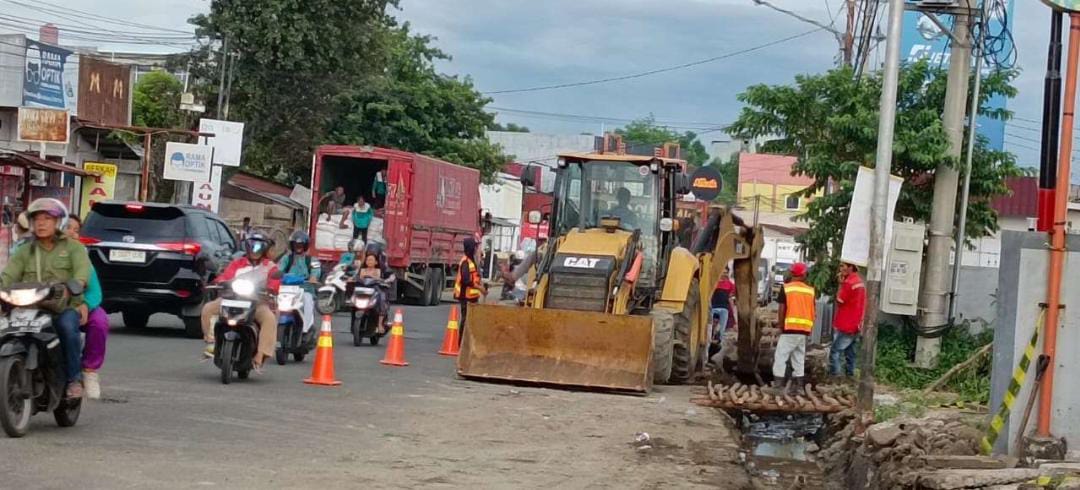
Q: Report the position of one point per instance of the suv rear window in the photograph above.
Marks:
(111, 222)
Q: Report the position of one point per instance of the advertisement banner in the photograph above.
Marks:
(52, 77)
(228, 140)
(188, 162)
(97, 188)
(923, 40)
(856, 247)
(48, 125)
(207, 194)
(104, 92)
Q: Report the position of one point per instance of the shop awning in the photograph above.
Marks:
(33, 162)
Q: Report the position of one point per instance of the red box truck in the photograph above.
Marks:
(429, 208)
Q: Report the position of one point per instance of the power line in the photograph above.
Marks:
(654, 72)
(102, 18)
(827, 27)
(582, 117)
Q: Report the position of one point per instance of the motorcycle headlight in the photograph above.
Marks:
(23, 297)
(243, 287)
(362, 302)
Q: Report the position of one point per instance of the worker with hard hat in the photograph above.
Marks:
(796, 316)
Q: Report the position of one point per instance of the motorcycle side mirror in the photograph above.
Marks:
(75, 287)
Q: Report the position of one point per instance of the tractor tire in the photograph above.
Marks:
(663, 337)
(682, 358)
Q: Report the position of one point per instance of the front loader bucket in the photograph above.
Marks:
(560, 347)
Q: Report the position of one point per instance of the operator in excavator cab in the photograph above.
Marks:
(627, 217)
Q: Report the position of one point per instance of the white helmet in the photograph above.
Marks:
(356, 246)
(520, 254)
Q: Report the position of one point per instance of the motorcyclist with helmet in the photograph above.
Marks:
(257, 250)
(52, 257)
(296, 261)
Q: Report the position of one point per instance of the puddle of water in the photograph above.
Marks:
(778, 448)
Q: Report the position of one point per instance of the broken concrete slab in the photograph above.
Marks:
(956, 479)
(882, 435)
(966, 462)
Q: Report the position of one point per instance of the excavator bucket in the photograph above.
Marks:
(558, 347)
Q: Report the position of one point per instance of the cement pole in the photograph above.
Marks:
(849, 33)
(221, 86)
(882, 169)
(933, 298)
(966, 190)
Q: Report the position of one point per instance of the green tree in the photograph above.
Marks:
(830, 122)
(291, 61)
(645, 131)
(415, 108)
(729, 174)
(156, 101)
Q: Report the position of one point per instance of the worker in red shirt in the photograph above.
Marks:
(850, 307)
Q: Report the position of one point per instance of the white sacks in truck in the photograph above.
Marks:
(330, 235)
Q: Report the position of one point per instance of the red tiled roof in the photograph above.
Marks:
(1023, 200)
(764, 168)
(259, 184)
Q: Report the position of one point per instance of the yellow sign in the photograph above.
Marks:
(97, 188)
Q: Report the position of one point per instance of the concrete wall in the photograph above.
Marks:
(541, 148)
(12, 59)
(1022, 285)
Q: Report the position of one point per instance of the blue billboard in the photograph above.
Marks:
(50, 80)
(924, 40)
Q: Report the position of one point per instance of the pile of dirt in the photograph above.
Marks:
(892, 454)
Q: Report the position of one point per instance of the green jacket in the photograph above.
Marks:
(32, 263)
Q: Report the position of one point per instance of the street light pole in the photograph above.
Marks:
(882, 170)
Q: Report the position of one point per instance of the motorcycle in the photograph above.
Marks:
(236, 334)
(31, 362)
(291, 336)
(331, 296)
(365, 311)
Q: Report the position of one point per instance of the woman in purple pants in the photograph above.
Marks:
(95, 324)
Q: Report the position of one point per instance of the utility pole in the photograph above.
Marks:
(849, 33)
(882, 170)
(961, 227)
(933, 298)
(228, 86)
(221, 86)
(757, 207)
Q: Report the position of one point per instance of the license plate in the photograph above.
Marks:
(232, 303)
(129, 256)
(290, 289)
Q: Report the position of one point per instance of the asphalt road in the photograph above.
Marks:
(166, 421)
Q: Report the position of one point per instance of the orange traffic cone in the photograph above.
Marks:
(451, 341)
(395, 350)
(322, 372)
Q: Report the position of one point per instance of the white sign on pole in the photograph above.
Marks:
(207, 194)
(188, 162)
(856, 249)
(228, 140)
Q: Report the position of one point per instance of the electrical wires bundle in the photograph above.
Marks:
(998, 45)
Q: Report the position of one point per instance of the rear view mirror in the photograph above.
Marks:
(534, 217)
(527, 176)
(682, 184)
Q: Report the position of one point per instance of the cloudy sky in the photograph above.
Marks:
(506, 45)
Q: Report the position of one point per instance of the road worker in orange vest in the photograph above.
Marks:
(796, 316)
(468, 287)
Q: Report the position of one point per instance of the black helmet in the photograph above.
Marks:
(258, 244)
(299, 238)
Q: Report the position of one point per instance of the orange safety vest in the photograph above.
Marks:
(799, 308)
(472, 292)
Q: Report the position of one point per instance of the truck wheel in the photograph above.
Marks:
(686, 323)
(135, 318)
(429, 285)
(663, 336)
(437, 286)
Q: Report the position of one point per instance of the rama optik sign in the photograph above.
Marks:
(51, 77)
(187, 162)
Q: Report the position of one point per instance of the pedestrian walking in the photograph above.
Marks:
(796, 315)
(850, 308)
(467, 286)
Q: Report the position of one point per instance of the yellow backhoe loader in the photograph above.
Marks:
(615, 301)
